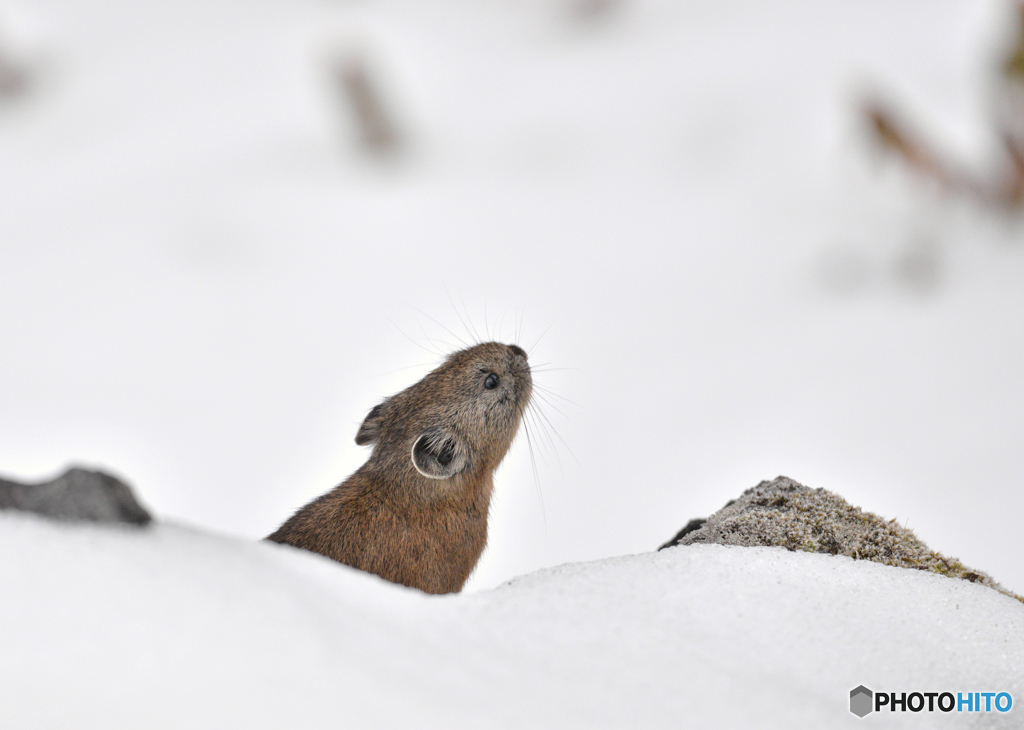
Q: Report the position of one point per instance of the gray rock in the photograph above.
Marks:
(76, 495)
(785, 513)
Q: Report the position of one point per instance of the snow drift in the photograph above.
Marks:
(167, 627)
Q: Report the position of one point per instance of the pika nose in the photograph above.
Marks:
(517, 350)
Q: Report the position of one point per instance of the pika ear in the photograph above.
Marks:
(439, 455)
(369, 432)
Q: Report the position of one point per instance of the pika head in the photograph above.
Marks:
(458, 420)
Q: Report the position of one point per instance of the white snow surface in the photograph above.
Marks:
(170, 627)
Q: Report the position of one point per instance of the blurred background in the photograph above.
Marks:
(740, 239)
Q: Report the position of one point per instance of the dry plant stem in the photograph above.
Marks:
(1006, 193)
(377, 129)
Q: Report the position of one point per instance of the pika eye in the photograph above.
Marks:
(491, 381)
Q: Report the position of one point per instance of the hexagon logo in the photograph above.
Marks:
(860, 701)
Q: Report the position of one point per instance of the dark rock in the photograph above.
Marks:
(76, 495)
(692, 525)
(785, 513)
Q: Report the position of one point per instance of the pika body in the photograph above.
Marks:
(416, 512)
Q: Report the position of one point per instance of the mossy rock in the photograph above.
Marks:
(785, 513)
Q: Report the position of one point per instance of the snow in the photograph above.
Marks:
(171, 627)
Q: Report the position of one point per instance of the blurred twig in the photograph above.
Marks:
(1006, 191)
(14, 78)
(895, 137)
(1013, 67)
(592, 11)
(377, 129)
(1012, 133)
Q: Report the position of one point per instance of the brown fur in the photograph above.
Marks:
(389, 518)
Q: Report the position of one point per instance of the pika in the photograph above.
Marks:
(416, 512)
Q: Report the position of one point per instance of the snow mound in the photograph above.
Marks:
(169, 628)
